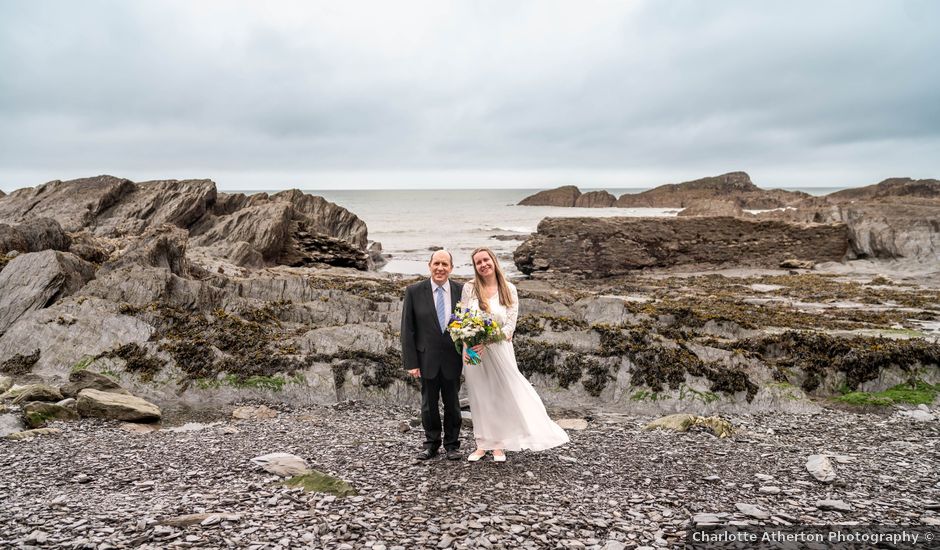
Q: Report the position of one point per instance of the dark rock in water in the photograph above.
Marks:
(85, 379)
(735, 186)
(892, 187)
(562, 196)
(375, 253)
(600, 247)
(596, 199)
(36, 280)
(519, 237)
(33, 236)
(712, 207)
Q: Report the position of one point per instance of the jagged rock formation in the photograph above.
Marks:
(253, 231)
(733, 186)
(563, 196)
(888, 227)
(594, 247)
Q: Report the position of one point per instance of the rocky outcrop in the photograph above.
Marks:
(596, 199)
(889, 227)
(562, 196)
(290, 227)
(892, 187)
(34, 281)
(593, 247)
(733, 186)
(75, 204)
(99, 404)
(712, 207)
(33, 236)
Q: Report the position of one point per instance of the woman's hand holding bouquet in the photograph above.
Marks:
(471, 327)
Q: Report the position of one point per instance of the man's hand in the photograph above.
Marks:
(415, 373)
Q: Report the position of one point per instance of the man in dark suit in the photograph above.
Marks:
(427, 351)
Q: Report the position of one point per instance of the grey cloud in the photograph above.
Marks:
(678, 87)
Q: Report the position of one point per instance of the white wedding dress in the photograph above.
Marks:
(507, 412)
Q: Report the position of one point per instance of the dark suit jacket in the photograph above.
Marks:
(423, 346)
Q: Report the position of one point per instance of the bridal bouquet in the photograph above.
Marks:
(471, 327)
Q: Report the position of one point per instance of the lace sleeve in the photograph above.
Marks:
(512, 313)
(466, 293)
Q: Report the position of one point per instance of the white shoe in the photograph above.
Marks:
(499, 458)
(473, 457)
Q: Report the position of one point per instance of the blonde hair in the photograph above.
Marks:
(502, 285)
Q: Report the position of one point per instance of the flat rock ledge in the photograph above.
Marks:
(601, 247)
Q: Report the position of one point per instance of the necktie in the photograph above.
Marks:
(440, 308)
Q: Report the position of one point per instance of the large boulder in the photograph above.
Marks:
(596, 199)
(84, 379)
(37, 414)
(735, 186)
(33, 236)
(36, 392)
(562, 196)
(115, 406)
(601, 247)
(36, 280)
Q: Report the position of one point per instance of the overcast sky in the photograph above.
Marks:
(380, 94)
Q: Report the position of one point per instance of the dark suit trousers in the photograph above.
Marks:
(433, 391)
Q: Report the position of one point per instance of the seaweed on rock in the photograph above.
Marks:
(658, 367)
(861, 359)
(377, 370)
(20, 363)
(136, 360)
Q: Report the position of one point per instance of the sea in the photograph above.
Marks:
(411, 224)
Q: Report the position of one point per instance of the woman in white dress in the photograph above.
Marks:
(507, 412)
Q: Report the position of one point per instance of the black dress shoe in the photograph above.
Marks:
(454, 454)
(427, 454)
